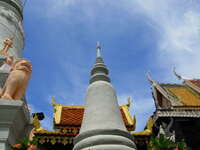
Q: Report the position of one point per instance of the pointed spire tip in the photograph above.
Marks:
(98, 49)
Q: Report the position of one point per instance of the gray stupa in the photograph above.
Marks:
(14, 115)
(102, 127)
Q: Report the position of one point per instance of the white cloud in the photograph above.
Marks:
(61, 4)
(178, 23)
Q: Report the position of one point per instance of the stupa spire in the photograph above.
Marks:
(102, 127)
(98, 49)
(99, 71)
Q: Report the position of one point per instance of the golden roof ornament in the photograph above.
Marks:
(129, 102)
(8, 43)
(36, 123)
(53, 101)
(134, 122)
(148, 130)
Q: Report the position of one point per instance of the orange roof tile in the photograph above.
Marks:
(73, 116)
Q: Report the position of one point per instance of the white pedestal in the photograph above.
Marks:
(14, 122)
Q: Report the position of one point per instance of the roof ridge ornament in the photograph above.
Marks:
(149, 78)
(130, 101)
(176, 74)
(180, 77)
(53, 101)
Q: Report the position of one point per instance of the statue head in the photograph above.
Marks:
(22, 64)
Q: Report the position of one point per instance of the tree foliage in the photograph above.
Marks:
(162, 143)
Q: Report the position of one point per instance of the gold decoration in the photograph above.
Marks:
(65, 141)
(53, 141)
(131, 121)
(57, 113)
(148, 130)
(134, 123)
(36, 124)
(7, 45)
(42, 140)
(53, 101)
(129, 102)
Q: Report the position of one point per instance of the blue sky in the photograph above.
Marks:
(136, 36)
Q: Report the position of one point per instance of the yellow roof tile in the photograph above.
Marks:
(185, 95)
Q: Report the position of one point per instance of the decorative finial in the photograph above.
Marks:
(134, 122)
(8, 42)
(99, 71)
(149, 77)
(98, 49)
(52, 100)
(129, 101)
(176, 74)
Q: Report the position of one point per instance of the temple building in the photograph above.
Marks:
(177, 114)
(100, 124)
(68, 119)
(67, 122)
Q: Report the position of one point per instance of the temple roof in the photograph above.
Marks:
(196, 82)
(72, 115)
(67, 123)
(184, 96)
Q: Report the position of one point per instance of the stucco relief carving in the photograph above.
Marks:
(17, 80)
(11, 17)
(8, 14)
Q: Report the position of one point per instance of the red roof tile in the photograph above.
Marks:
(195, 82)
(74, 117)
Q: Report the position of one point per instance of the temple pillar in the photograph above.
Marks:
(14, 122)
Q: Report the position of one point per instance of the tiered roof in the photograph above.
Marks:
(67, 122)
(67, 116)
(177, 100)
(172, 100)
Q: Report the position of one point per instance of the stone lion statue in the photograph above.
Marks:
(17, 80)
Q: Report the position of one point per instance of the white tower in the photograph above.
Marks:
(102, 127)
(11, 25)
(14, 116)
